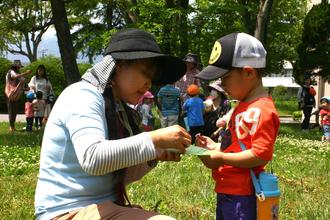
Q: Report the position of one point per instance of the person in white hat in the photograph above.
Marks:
(238, 59)
(189, 78)
(220, 106)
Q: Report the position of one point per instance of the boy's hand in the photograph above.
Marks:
(213, 161)
(205, 142)
(221, 123)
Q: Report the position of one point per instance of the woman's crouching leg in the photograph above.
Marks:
(110, 210)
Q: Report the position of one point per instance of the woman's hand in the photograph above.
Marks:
(171, 137)
(206, 142)
(164, 155)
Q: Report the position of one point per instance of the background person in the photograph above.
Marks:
(14, 75)
(194, 107)
(40, 82)
(145, 110)
(28, 111)
(92, 146)
(39, 106)
(189, 78)
(325, 118)
(306, 101)
(219, 97)
(169, 99)
(220, 107)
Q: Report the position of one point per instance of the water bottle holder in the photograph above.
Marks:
(261, 196)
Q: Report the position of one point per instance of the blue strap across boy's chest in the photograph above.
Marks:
(257, 188)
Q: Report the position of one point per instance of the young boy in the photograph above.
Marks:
(238, 59)
(195, 111)
(325, 118)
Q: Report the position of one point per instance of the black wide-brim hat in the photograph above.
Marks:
(133, 44)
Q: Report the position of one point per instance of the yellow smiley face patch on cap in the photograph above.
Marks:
(216, 52)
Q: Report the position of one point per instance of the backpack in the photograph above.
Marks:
(14, 88)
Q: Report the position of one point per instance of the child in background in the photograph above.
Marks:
(238, 59)
(169, 99)
(325, 118)
(39, 109)
(28, 110)
(145, 110)
(194, 107)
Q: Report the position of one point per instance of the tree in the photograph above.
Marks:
(281, 33)
(168, 21)
(314, 50)
(68, 55)
(96, 21)
(180, 27)
(263, 18)
(284, 33)
(22, 25)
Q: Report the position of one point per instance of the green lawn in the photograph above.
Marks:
(286, 107)
(183, 190)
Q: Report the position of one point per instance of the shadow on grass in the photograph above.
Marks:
(20, 137)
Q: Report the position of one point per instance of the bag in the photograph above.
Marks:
(50, 98)
(14, 88)
(312, 91)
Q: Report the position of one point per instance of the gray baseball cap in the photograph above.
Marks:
(234, 50)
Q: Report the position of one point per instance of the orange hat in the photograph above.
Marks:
(193, 90)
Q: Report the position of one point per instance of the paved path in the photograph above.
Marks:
(19, 118)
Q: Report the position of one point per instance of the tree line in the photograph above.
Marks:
(180, 26)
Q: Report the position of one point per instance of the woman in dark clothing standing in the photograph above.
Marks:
(306, 101)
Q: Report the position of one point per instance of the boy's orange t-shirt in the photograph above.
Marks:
(256, 125)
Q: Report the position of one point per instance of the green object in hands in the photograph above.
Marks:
(192, 150)
(199, 151)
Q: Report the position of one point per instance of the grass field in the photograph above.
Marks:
(183, 190)
(286, 107)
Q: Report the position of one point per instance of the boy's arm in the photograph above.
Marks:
(244, 159)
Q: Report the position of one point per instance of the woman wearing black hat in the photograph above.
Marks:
(92, 145)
